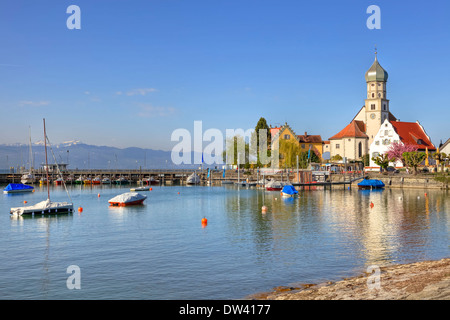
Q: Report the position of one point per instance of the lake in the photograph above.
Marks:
(160, 250)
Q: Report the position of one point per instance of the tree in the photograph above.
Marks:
(336, 157)
(396, 150)
(289, 150)
(237, 145)
(262, 124)
(382, 160)
(413, 159)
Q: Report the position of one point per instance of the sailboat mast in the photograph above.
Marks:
(46, 162)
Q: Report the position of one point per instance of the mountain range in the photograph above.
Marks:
(79, 155)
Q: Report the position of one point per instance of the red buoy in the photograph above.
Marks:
(204, 222)
(80, 209)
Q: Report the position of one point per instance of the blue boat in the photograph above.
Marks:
(289, 191)
(18, 188)
(371, 184)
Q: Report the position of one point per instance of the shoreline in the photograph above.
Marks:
(425, 280)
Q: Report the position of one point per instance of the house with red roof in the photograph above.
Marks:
(410, 133)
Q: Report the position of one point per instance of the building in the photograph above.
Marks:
(305, 142)
(353, 142)
(445, 147)
(411, 133)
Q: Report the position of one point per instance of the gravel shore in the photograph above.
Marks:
(428, 280)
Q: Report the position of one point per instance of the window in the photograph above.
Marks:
(287, 137)
(360, 150)
(372, 107)
(349, 139)
(386, 132)
(377, 143)
(379, 95)
(384, 107)
(337, 146)
(303, 146)
(373, 95)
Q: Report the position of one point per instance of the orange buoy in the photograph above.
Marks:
(371, 204)
(25, 201)
(204, 222)
(98, 195)
(151, 189)
(178, 193)
(80, 209)
(425, 194)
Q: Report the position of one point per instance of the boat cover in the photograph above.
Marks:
(289, 190)
(128, 197)
(371, 183)
(17, 186)
(41, 206)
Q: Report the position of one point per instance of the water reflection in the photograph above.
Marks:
(337, 224)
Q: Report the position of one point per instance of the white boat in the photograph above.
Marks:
(28, 178)
(46, 206)
(193, 179)
(106, 180)
(140, 189)
(127, 199)
(274, 185)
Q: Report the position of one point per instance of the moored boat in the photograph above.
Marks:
(46, 206)
(140, 189)
(28, 178)
(127, 199)
(371, 184)
(274, 185)
(121, 180)
(193, 179)
(289, 191)
(18, 188)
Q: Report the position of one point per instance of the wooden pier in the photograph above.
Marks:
(302, 181)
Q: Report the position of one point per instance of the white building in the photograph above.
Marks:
(411, 133)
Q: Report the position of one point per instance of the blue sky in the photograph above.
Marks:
(138, 70)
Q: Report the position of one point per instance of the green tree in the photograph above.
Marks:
(336, 157)
(234, 146)
(262, 124)
(414, 159)
(382, 160)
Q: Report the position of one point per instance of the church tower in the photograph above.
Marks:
(377, 104)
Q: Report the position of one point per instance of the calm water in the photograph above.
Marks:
(160, 250)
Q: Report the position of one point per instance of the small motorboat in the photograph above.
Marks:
(121, 180)
(127, 199)
(140, 189)
(193, 179)
(289, 191)
(274, 185)
(18, 188)
(371, 184)
(106, 180)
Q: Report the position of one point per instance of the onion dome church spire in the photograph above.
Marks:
(376, 72)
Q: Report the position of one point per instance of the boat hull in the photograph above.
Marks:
(124, 204)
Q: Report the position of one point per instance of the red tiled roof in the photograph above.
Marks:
(413, 133)
(306, 138)
(354, 129)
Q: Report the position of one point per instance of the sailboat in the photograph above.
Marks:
(28, 177)
(46, 206)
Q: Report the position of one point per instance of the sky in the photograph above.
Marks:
(138, 70)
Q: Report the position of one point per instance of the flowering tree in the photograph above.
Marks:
(396, 150)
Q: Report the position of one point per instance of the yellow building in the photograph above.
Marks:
(304, 142)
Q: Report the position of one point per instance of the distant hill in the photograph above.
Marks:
(83, 156)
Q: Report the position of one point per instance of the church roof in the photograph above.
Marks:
(376, 72)
(413, 133)
(354, 129)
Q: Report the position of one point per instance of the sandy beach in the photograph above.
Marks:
(428, 280)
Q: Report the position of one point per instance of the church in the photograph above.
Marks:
(357, 138)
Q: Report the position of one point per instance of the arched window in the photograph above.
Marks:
(360, 150)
